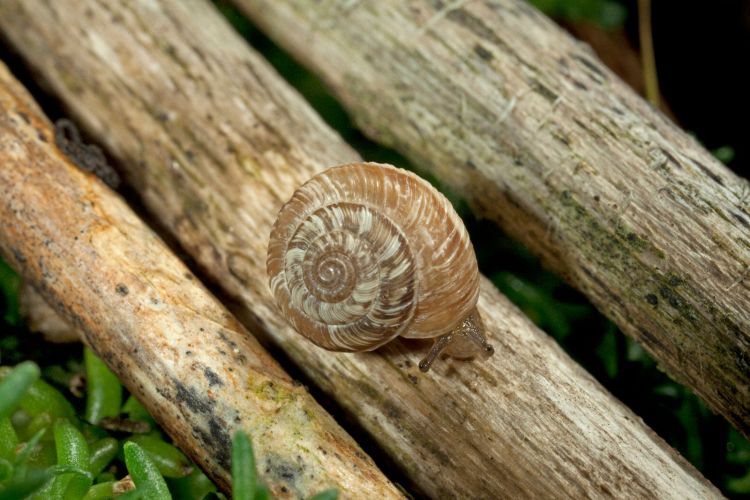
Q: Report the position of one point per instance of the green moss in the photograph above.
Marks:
(270, 391)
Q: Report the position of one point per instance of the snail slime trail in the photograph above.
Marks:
(363, 253)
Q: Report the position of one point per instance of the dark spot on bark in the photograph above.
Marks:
(212, 377)
(20, 258)
(483, 53)
(649, 338)
(672, 299)
(740, 219)
(188, 353)
(162, 392)
(121, 289)
(87, 157)
(594, 70)
(162, 116)
(476, 26)
(579, 85)
(471, 165)
(414, 380)
(652, 299)
(283, 470)
(543, 90)
(714, 177)
(674, 281)
(597, 198)
(671, 158)
(191, 398)
(222, 441)
(43, 269)
(41, 135)
(24, 117)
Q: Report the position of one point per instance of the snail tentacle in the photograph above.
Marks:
(466, 340)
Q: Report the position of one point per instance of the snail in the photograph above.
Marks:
(365, 252)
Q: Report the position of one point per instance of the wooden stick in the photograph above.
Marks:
(197, 370)
(216, 141)
(497, 101)
(40, 317)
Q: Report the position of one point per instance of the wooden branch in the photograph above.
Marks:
(539, 136)
(171, 343)
(216, 141)
(40, 317)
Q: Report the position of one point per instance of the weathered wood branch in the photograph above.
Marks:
(172, 344)
(216, 141)
(539, 136)
(40, 317)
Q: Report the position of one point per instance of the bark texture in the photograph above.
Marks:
(40, 317)
(216, 141)
(539, 136)
(173, 345)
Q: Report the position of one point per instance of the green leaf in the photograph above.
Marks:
(144, 472)
(102, 452)
(25, 485)
(262, 493)
(71, 446)
(42, 397)
(8, 439)
(724, 154)
(103, 389)
(605, 13)
(244, 478)
(331, 494)
(135, 411)
(25, 453)
(15, 384)
(193, 487)
(101, 491)
(170, 461)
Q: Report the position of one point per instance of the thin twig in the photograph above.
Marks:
(647, 52)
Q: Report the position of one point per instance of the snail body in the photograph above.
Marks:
(363, 253)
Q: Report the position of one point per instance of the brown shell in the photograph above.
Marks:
(365, 252)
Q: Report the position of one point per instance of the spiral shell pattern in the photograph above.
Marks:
(363, 253)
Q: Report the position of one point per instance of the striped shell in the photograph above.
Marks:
(363, 253)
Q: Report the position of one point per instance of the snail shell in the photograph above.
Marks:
(363, 253)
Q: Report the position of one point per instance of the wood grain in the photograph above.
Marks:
(216, 141)
(174, 346)
(497, 101)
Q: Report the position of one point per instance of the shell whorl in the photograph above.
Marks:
(365, 252)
